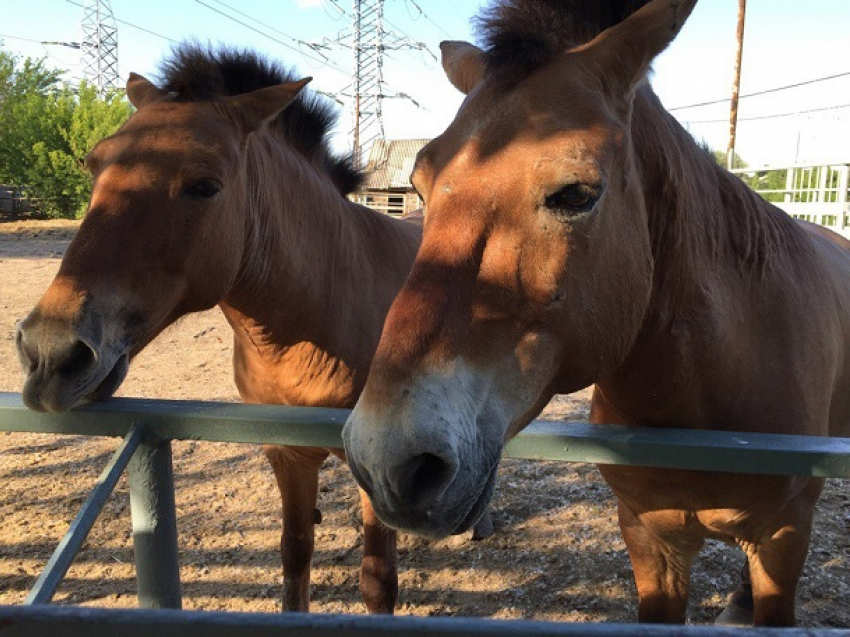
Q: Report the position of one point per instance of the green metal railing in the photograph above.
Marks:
(542, 440)
(69, 621)
(148, 426)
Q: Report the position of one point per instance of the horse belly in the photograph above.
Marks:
(733, 508)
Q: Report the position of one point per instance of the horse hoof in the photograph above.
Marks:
(483, 528)
(317, 516)
(734, 615)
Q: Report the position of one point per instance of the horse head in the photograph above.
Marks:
(534, 273)
(165, 234)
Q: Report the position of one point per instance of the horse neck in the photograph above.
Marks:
(319, 271)
(715, 246)
(703, 221)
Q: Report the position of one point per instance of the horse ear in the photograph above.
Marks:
(463, 63)
(256, 108)
(141, 91)
(625, 51)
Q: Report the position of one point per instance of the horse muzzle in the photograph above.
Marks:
(65, 366)
(432, 484)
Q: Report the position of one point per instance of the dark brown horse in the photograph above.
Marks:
(576, 234)
(221, 189)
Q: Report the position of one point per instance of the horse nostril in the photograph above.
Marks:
(430, 469)
(424, 478)
(26, 353)
(79, 359)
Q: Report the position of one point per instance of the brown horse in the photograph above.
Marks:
(221, 189)
(576, 234)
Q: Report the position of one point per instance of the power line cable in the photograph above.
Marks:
(337, 7)
(764, 92)
(774, 116)
(44, 44)
(414, 45)
(268, 26)
(325, 62)
(131, 25)
(427, 17)
(413, 18)
(59, 62)
(17, 37)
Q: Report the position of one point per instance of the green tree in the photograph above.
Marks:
(720, 158)
(47, 129)
(765, 180)
(25, 85)
(760, 181)
(22, 77)
(57, 173)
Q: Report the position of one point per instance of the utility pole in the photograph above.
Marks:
(736, 86)
(99, 45)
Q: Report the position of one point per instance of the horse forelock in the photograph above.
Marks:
(194, 73)
(526, 34)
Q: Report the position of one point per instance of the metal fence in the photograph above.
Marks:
(14, 201)
(818, 193)
(148, 426)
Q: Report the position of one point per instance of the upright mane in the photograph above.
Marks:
(197, 73)
(525, 34)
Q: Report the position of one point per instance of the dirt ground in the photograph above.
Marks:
(556, 555)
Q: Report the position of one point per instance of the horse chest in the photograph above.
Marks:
(304, 377)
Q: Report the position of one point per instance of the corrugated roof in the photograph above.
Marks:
(390, 163)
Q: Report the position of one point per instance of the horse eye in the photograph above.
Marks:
(574, 199)
(202, 189)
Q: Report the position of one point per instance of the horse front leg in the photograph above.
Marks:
(777, 561)
(775, 568)
(662, 570)
(297, 472)
(379, 568)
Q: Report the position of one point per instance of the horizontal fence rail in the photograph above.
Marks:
(735, 452)
(18, 621)
(148, 426)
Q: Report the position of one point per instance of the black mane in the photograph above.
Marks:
(526, 34)
(196, 73)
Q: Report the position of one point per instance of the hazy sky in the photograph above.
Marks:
(787, 42)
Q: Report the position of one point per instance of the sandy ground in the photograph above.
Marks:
(557, 553)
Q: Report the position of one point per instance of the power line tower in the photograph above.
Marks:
(99, 45)
(368, 48)
(368, 41)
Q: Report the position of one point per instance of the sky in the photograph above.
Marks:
(786, 42)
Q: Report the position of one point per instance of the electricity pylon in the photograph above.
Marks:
(368, 42)
(99, 45)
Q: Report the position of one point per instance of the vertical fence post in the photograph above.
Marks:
(843, 197)
(151, 482)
